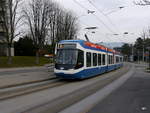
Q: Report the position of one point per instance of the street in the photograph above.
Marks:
(131, 97)
(55, 99)
(108, 93)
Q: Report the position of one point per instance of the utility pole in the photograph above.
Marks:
(143, 52)
(132, 54)
(138, 57)
(149, 58)
(143, 48)
(149, 55)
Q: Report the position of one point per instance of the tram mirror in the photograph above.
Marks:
(79, 65)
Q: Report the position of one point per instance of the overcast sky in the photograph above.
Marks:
(132, 19)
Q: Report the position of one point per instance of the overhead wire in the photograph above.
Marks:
(101, 21)
(104, 15)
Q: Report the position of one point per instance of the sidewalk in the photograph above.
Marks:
(18, 76)
(24, 68)
(131, 97)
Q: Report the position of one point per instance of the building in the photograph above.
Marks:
(3, 44)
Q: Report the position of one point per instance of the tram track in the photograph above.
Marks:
(24, 89)
(64, 101)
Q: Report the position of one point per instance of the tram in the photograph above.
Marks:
(79, 59)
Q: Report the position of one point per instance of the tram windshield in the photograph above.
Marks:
(69, 58)
(66, 56)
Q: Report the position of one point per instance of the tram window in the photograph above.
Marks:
(80, 59)
(111, 59)
(88, 59)
(99, 59)
(120, 59)
(108, 59)
(103, 59)
(117, 59)
(94, 59)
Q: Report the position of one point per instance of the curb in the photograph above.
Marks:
(24, 68)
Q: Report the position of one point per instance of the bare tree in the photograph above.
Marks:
(67, 26)
(63, 25)
(9, 22)
(70, 26)
(46, 19)
(37, 19)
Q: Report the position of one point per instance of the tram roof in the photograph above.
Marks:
(90, 45)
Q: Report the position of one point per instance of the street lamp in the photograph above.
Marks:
(89, 28)
(121, 7)
(90, 12)
(116, 34)
(125, 33)
(115, 10)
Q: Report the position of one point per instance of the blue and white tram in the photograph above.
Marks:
(79, 59)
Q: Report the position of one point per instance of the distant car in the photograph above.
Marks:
(48, 55)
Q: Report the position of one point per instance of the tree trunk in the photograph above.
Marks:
(37, 57)
(9, 55)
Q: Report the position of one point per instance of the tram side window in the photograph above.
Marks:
(94, 59)
(120, 59)
(80, 60)
(117, 59)
(99, 59)
(111, 59)
(88, 59)
(108, 59)
(103, 59)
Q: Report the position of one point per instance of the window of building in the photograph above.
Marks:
(94, 59)
(88, 59)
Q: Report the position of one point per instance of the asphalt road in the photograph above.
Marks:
(132, 97)
(56, 99)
